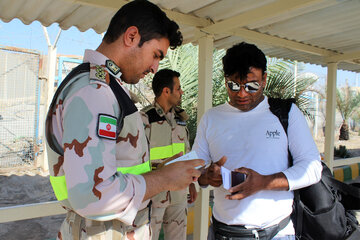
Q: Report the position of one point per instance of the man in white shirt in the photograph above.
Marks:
(254, 143)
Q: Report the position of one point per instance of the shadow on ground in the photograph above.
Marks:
(26, 189)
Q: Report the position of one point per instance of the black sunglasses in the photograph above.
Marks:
(250, 87)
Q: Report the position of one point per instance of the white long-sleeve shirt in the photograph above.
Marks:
(257, 140)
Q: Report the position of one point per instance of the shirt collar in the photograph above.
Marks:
(260, 107)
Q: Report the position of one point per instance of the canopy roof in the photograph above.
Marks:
(310, 31)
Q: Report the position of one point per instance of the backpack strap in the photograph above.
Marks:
(281, 108)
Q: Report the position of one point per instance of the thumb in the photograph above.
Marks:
(222, 161)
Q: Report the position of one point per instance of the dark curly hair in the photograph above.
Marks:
(240, 57)
(151, 21)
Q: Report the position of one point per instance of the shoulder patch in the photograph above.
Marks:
(106, 127)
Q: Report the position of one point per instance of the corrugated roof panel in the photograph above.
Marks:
(322, 23)
(332, 25)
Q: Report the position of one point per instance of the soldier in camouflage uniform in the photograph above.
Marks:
(166, 130)
(97, 148)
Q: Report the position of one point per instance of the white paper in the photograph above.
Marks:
(226, 178)
(189, 156)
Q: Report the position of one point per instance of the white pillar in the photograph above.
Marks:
(201, 211)
(330, 114)
(316, 118)
(206, 46)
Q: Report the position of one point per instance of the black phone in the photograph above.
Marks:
(237, 178)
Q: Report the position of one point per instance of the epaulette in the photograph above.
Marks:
(181, 113)
(98, 73)
(154, 116)
(147, 108)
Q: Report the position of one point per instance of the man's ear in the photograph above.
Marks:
(166, 91)
(263, 83)
(132, 36)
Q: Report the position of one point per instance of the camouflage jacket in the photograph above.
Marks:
(90, 161)
(165, 129)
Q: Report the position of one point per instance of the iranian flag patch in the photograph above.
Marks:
(107, 126)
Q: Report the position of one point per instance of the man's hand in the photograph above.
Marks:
(192, 193)
(256, 182)
(162, 164)
(212, 176)
(172, 177)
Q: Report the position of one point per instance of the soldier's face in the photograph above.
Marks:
(145, 59)
(250, 95)
(177, 92)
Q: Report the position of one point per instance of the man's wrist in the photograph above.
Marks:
(203, 181)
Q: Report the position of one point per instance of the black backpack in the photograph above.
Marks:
(322, 211)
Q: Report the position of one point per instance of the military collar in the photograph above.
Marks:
(160, 111)
(113, 68)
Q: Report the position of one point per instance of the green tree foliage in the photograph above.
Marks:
(281, 83)
(347, 102)
(184, 59)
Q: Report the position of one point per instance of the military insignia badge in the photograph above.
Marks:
(107, 126)
(100, 73)
(112, 67)
(159, 111)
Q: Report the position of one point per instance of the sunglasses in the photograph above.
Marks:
(250, 87)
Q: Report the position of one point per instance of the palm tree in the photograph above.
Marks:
(347, 102)
(184, 59)
(281, 83)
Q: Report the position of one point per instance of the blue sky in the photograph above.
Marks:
(74, 42)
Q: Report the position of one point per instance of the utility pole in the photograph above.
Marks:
(51, 68)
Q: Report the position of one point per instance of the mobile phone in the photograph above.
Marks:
(231, 178)
(237, 178)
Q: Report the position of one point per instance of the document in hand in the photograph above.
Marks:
(189, 156)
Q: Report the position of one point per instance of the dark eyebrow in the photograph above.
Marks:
(161, 54)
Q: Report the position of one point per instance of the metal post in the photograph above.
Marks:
(50, 80)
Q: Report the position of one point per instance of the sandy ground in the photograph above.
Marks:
(352, 145)
(25, 186)
(29, 185)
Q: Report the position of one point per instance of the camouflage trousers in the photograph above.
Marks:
(169, 209)
(75, 227)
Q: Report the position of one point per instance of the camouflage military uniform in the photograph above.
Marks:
(102, 203)
(167, 135)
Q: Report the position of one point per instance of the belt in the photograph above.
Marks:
(239, 232)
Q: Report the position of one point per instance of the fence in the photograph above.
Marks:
(19, 106)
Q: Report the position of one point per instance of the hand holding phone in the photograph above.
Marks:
(231, 178)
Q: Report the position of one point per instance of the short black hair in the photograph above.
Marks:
(240, 57)
(164, 78)
(151, 21)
